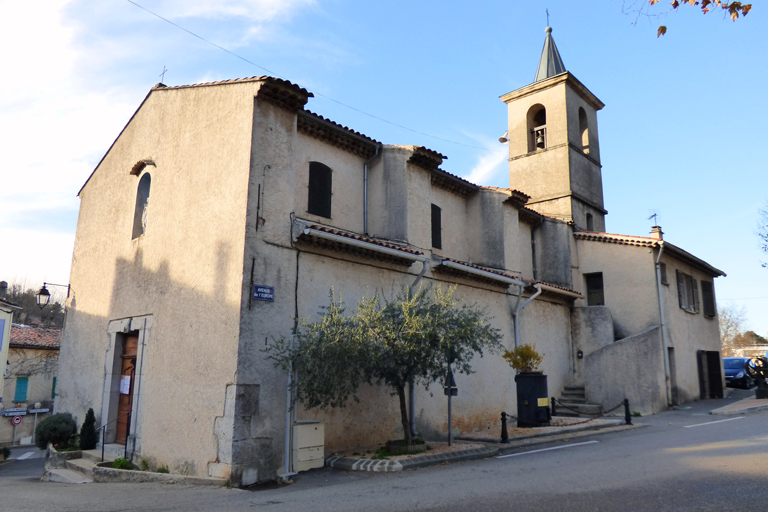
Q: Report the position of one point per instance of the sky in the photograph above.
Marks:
(683, 132)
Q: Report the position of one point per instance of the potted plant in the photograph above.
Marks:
(532, 394)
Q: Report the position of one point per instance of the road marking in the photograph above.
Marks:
(25, 456)
(546, 449)
(713, 422)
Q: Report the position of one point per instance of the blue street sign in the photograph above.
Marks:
(263, 293)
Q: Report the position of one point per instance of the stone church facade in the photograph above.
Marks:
(224, 210)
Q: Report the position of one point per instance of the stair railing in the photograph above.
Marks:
(103, 429)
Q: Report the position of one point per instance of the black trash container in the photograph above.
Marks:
(532, 400)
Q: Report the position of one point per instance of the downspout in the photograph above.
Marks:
(519, 307)
(411, 384)
(365, 190)
(664, 340)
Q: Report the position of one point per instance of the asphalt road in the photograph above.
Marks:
(683, 460)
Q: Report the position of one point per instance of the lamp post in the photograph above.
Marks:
(44, 296)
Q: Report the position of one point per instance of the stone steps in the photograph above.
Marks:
(574, 398)
(82, 466)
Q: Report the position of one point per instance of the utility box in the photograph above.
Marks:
(308, 445)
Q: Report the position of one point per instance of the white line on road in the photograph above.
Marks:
(25, 456)
(546, 449)
(713, 422)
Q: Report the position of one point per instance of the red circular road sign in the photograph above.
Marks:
(16, 420)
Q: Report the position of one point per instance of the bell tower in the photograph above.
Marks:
(554, 152)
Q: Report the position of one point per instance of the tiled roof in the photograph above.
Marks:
(335, 134)
(646, 241)
(449, 270)
(24, 336)
(362, 238)
(8, 303)
(453, 183)
(261, 78)
(530, 283)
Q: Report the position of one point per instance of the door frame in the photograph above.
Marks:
(117, 330)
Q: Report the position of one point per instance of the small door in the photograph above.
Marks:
(127, 374)
(710, 374)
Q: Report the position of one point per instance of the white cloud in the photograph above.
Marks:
(253, 10)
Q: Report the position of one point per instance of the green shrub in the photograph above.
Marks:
(144, 465)
(121, 463)
(163, 469)
(55, 429)
(89, 436)
(524, 358)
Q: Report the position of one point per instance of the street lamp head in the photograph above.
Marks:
(43, 297)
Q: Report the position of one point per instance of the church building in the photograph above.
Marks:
(224, 210)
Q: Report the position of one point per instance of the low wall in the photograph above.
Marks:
(631, 368)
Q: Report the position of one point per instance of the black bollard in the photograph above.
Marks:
(504, 433)
(627, 416)
(553, 405)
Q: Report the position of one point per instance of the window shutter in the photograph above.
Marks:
(663, 272)
(437, 238)
(695, 295)
(680, 289)
(320, 189)
(21, 389)
(53, 389)
(708, 296)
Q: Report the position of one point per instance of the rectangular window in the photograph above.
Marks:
(708, 296)
(594, 285)
(663, 272)
(53, 389)
(687, 292)
(320, 189)
(21, 389)
(437, 232)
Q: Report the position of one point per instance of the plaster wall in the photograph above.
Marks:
(456, 216)
(347, 182)
(688, 332)
(388, 208)
(6, 318)
(185, 271)
(553, 253)
(629, 283)
(517, 244)
(592, 329)
(628, 369)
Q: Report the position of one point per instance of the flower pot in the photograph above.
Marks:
(532, 400)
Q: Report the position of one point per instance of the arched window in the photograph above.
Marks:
(142, 206)
(584, 130)
(320, 189)
(537, 128)
(590, 222)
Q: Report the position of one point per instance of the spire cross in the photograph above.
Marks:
(547, 11)
(162, 75)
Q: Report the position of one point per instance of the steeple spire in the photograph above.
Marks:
(550, 64)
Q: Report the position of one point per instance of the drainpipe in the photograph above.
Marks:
(664, 340)
(365, 190)
(411, 384)
(288, 399)
(519, 307)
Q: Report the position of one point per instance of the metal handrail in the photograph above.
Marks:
(104, 433)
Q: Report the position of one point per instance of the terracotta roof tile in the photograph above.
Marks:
(261, 78)
(24, 336)
(362, 238)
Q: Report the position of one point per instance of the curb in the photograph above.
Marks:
(394, 466)
(564, 430)
(736, 412)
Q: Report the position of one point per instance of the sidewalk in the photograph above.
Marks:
(744, 406)
(491, 447)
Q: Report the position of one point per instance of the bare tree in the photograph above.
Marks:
(645, 8)
(731, 321)
(762, 230)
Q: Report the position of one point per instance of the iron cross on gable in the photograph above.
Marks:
(162, 75)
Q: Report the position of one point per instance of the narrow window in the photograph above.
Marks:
(21, 389)
(708, 295)
(663, 272)
(537, 128)
(437, 239)
(595, 296)
(53, 389)
(320, 189)
(590, 222)
(584, 130)
(142, 206)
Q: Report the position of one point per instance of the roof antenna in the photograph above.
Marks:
(654, 215)
(162, 75)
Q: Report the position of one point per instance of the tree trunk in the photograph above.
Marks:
(404, 415)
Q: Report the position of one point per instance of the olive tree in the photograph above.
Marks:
(391, 342)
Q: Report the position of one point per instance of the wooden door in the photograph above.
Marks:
(127, 374)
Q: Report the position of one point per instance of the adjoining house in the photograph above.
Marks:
(7, 308)
(30, 381)
(225, 210)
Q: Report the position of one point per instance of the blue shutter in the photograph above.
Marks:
(21, 389)
(2, 333)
